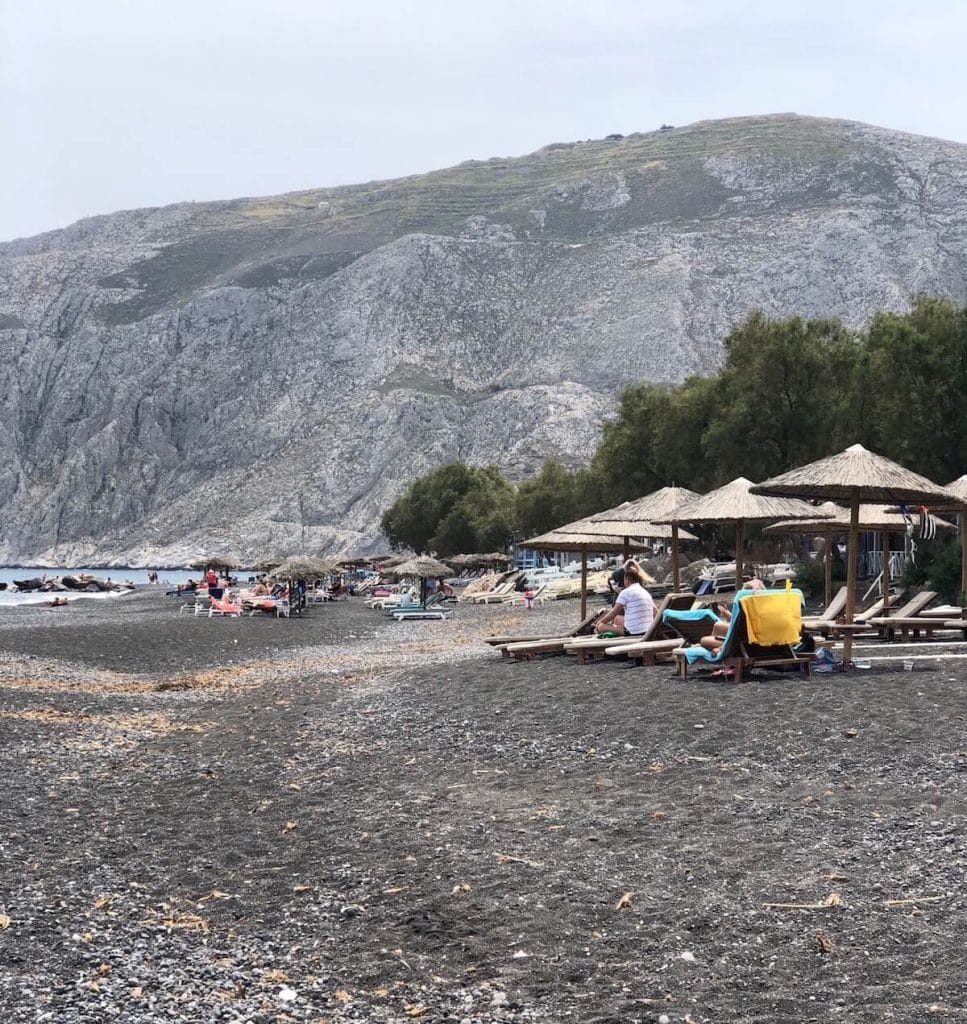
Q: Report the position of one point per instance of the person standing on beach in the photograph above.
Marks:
(211, 578)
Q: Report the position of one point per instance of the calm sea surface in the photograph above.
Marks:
(136, 576)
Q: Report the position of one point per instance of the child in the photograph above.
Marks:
(529, 600)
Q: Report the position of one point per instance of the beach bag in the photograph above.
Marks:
(824, 660)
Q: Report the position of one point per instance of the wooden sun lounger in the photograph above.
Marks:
(423, 613)
(829, 613)
(645, 652)
(585, 648)
(502, 641)
(860, 623)
(519, 648)
(907, 619)
(739, 653)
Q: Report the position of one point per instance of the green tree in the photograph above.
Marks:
(783, 395)
(916, 387)
(451, 509)
(629, 462)
(548, 500)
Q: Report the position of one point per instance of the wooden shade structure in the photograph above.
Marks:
(878, 518)
(424, 568)
(226, 562)
(856, 475)
(735, 504)
(575, 537)
(648, 509)
(301, 567)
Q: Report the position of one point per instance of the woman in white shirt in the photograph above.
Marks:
(633, 608)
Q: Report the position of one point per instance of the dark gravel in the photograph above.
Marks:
(346, 819)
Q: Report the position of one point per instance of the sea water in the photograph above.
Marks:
(167, 578)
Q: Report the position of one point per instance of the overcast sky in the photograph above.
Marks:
(113, 104)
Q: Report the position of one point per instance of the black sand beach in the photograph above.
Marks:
(348, 819)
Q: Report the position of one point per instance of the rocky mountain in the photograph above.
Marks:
(265, 375)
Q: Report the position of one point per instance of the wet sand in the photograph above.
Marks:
(346, 818)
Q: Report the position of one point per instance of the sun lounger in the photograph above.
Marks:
(829, 614)
(496, 596)
(860, 623)
(763, 633)
(908, 619)
(223, 606)
(524, 648)
(423, 613)
(584, 648)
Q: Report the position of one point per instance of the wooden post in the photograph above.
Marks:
(829, 566)
(852, 545)
(738, 554)
(676, 578)
(886, 572)
(584, 584)
(962, 519)
(627, 548)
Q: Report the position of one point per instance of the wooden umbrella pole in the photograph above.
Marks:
(738, 554)
(584, 584)
(963, 559)
(676, 578)
(829, 566)
(627, 548)
(886, 572)
(851, 553)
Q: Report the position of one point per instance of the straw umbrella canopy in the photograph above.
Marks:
(423, 567)
(497, 556)
(226, 562)
(393, 560)
(856, 475)
(648, 509)
(268, 564)
(305, 568)
(576, 537)
(735, 504)
(876, 518)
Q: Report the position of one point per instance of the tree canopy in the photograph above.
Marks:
(789, 391)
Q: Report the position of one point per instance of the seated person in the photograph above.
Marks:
(633, 609)
(719, 629)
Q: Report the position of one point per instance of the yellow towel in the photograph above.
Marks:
(773, 617)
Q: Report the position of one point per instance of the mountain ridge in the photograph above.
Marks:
(268, 373)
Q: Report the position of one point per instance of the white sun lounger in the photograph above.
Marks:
(425, 613)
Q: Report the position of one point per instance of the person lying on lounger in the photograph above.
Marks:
(719, 630)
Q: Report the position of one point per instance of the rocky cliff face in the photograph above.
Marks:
(265, 375)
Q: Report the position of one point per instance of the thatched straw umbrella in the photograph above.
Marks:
(877, 518)
(423, 567)
(735, 504)
(649, 509)
(305, 568)
(393, 560)
(268, 564)
(226, 562)
(575, 537)
(857, 475)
